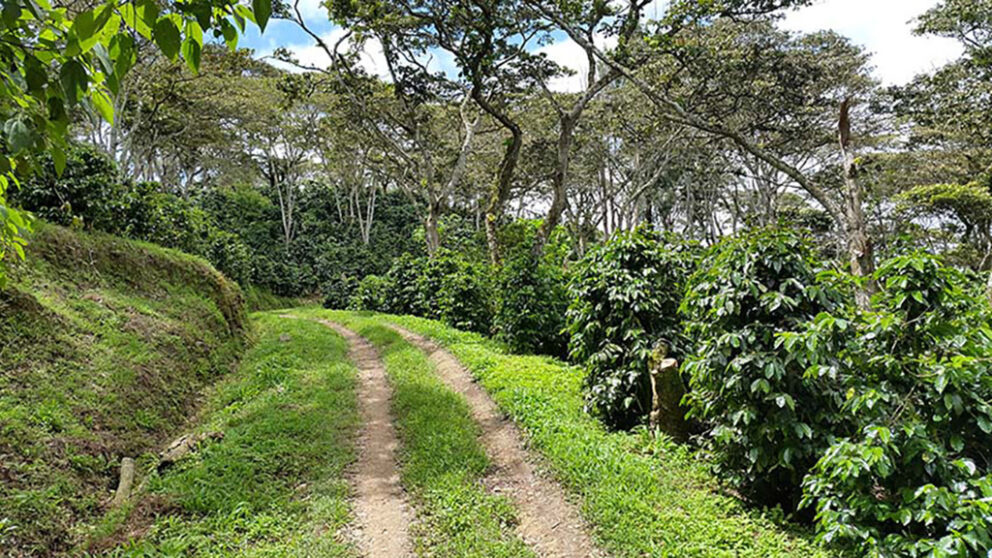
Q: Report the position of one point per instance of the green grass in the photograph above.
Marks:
(274, 486)
(642, 495)
(258, 299)
(442, 461)
(105, 345)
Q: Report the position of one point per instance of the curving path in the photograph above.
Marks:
(381, 510)
(549, 523)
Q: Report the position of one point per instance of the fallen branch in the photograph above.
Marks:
(184, 445)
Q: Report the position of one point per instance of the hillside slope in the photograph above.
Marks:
(104, 345)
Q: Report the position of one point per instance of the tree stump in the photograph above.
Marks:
(124, 486)
(667, 391)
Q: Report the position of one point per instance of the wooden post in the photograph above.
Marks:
(124, 486)
(667, 391)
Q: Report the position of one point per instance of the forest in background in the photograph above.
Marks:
(811, 246)
(280, 176)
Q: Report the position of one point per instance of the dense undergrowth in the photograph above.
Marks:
(642, 495)
(521, 302)
(274, 485)
(104, 346)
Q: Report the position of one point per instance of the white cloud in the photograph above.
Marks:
(569, 54)
(884, 27)
(309, 54)
(312, 10)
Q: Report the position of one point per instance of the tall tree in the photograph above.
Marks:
(56, 58)
(491, 42)
(667, 42)
(591, 19)
(410, 116)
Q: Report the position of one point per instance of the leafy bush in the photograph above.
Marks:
(465, 297)
(371, 294)
(434, 274)
(168, 220)
(444, 287)
(228, 253)
(339, 290)
(625, 296)
(89, 191)
(913, 477)
(532, 299)
(767, 422)
(403, 293)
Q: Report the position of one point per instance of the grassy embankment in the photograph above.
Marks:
(275, 485)
(642, 495)
(104, 346)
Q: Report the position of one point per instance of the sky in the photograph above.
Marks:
(883, 27)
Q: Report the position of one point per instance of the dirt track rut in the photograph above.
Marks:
(381, 509)
(549, 523)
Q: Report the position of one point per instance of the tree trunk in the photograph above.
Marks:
(859, 245)
(501, 188)
(125, 483)
(431, 234)
(565, 137)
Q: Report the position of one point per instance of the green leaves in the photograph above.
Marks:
(746, 307)
(19, 134)
(913, 377)
(230, 34)
(10, 14)
(75, 81)
(90, 55)
(262, 9)
(87, 27)
(624, 298)
(35, 76)
(166, 36)
(103, 105)
(191, 53)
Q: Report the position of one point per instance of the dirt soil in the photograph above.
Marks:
(549, 523)
(380, 506)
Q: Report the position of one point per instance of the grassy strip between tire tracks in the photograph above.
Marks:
(442, 460)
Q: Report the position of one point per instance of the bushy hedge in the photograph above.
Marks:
(238, 228)
(339, 290)
(625, 295)
(466, 300)
(531, 302)
(767, 421)
(878, 419)
(370, 294)
(913, 475)
(445, 287)
(91, 193)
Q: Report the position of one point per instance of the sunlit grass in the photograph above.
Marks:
(275, 485)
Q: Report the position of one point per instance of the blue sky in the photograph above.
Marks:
(882, 26)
